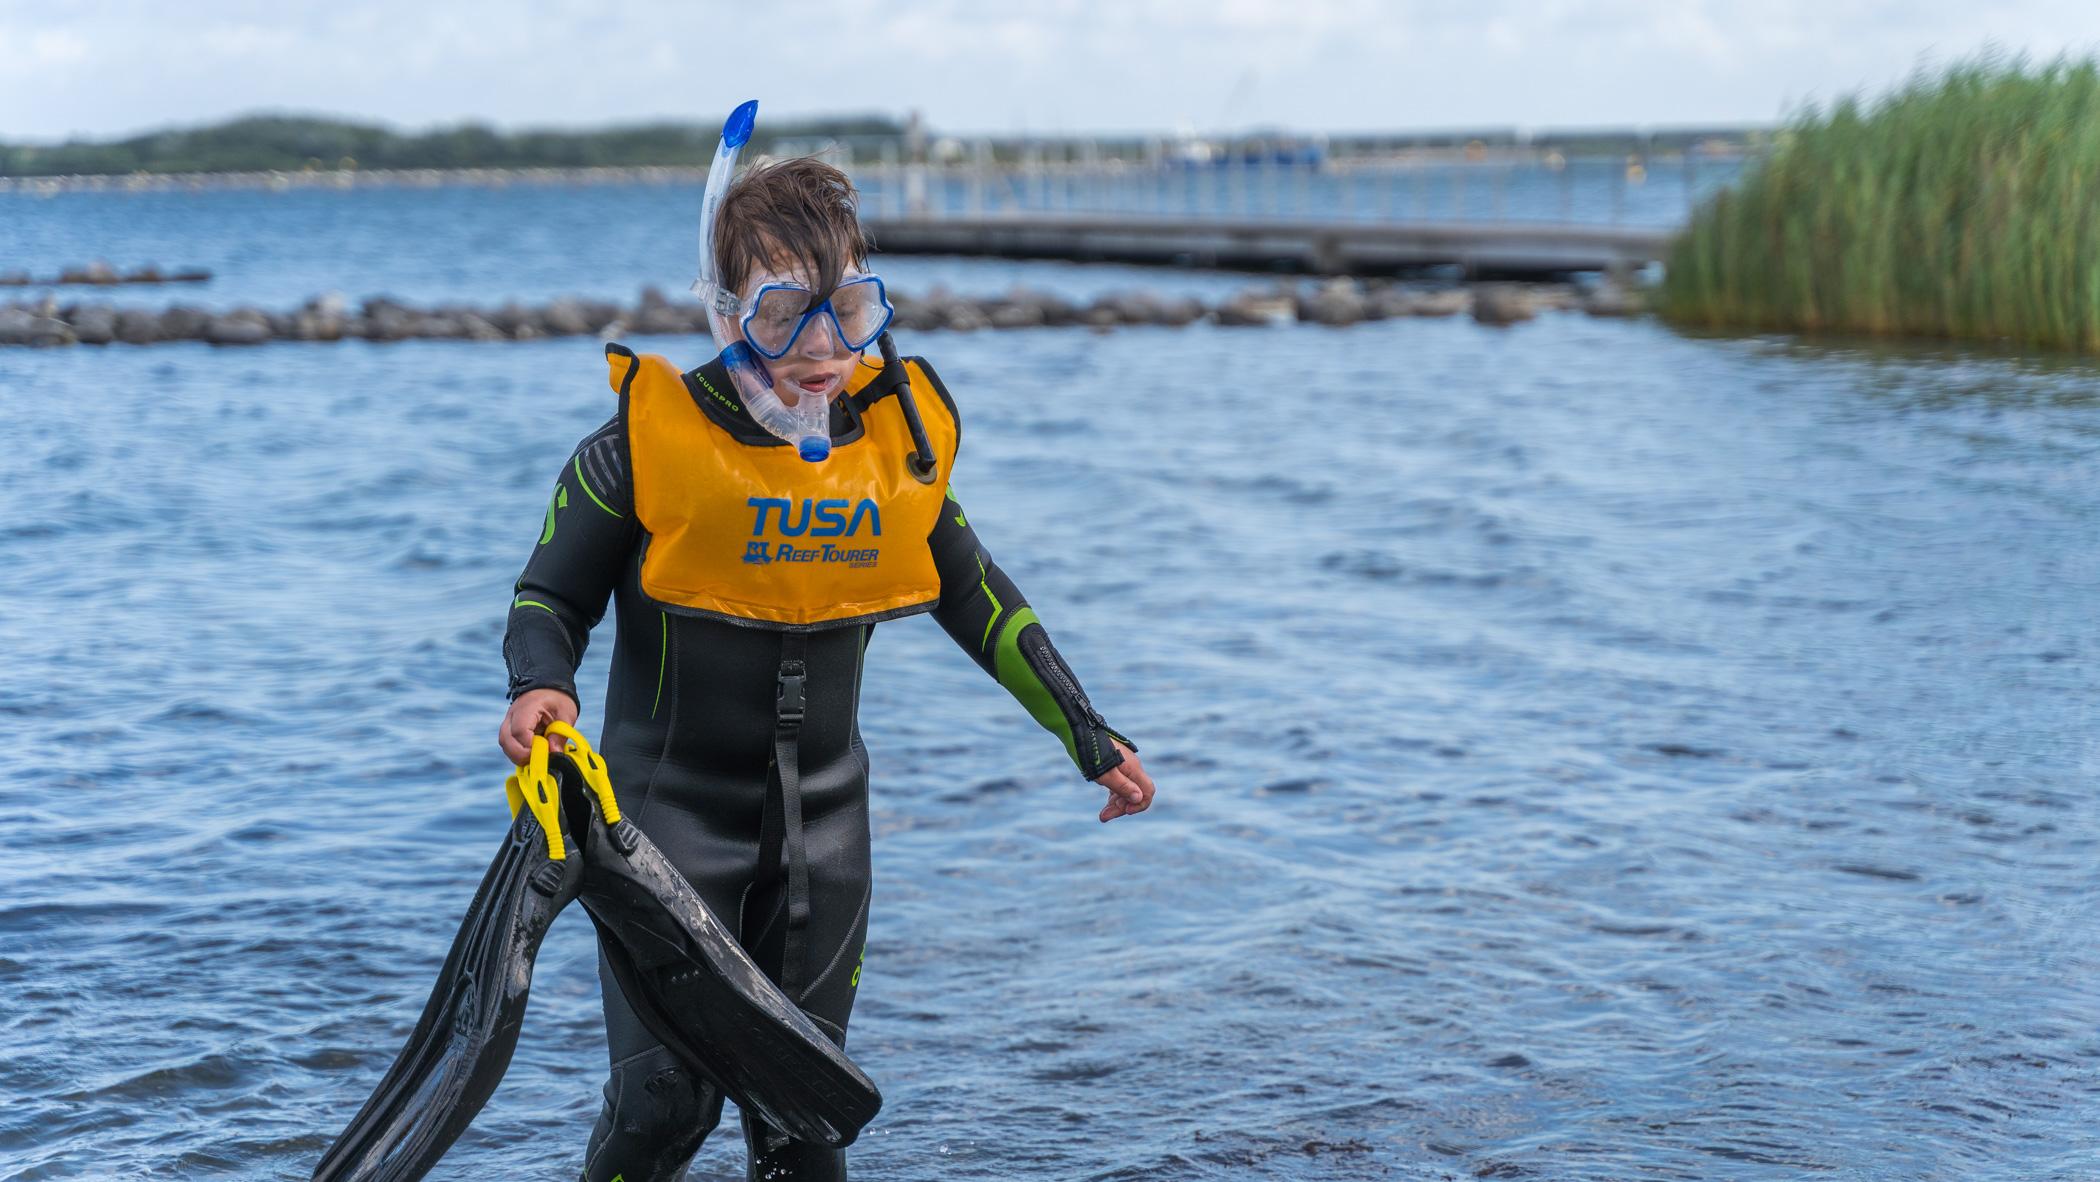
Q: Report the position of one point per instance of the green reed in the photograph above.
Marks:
(1959, 206)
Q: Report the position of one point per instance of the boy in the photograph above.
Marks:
(748, 575)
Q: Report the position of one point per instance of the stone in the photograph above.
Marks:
(966, 316)
(1336, 302)
(921, 313)
(1057, 310)
(245, 326)
(1181, 312)
(1611, 299)
(919, 317)
(661, 319)
(136, 326)
(1555, 297)
(567, 318)
(392, 320)
(321, 318)
(1254, 307)
(1102, 314)
(1384, 303)
(598, 313)
(512, 315)
(20, 326)
(1016, 314)
(183, 322)
(1501, 304)
(1448, 302)
(1130, 307)
(94, 324)
(389, 322)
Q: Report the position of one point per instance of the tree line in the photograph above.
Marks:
(290, 143)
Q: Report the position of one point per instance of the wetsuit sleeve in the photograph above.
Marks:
(585, 543)
(985, 613)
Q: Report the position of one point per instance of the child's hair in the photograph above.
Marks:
(800, 207)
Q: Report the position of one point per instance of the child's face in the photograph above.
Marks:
(818, 363)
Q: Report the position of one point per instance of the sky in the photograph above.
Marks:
(104, 68)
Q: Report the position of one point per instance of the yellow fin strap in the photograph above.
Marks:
(536, 788)
(592, 765)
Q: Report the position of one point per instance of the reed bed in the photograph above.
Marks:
(1959, 206)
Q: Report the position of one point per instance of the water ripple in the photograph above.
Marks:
(1628, 757)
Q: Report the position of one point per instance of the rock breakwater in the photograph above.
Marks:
(1334, 303)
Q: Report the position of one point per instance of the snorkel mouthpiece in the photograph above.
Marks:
(807, 424)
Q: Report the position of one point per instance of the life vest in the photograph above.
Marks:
(755, 534)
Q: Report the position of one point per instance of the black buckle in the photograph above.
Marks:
(787, 693)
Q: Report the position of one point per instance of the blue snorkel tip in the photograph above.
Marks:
(815, 450)
(736, 129)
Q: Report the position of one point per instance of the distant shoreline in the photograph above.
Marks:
(348, 178)
(667, 174)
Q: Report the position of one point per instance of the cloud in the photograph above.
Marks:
(114, 66)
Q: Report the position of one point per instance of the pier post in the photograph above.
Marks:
(980, 167)
(915, 166)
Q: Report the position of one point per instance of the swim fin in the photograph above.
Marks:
(463, 1042)
(700, 993)
(688, 979)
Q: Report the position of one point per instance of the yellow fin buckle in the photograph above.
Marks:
(592, 765)
(535, 788)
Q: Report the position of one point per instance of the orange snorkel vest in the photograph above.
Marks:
(753, 534)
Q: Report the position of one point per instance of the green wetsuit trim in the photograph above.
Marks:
(560, 500)
(663, 658)
(535, 603)
(1028, 689)
(984, 584)
(586, 486)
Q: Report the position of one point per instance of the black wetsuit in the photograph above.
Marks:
(689, 737)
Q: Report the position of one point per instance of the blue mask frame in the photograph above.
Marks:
(745, 310)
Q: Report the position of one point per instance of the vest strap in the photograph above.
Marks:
(782, 822)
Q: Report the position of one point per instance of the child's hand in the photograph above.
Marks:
(528, 716)
(1129, 788)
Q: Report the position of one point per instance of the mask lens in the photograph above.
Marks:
(771, 325)
(861, 309)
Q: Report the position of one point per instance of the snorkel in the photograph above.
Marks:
(807, 423)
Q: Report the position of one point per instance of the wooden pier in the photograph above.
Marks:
(1480, 249)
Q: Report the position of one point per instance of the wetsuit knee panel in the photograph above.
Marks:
(656, 1114)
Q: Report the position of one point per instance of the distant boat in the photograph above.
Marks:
(1272, 151)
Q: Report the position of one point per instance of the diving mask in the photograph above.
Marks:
(775, 317)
